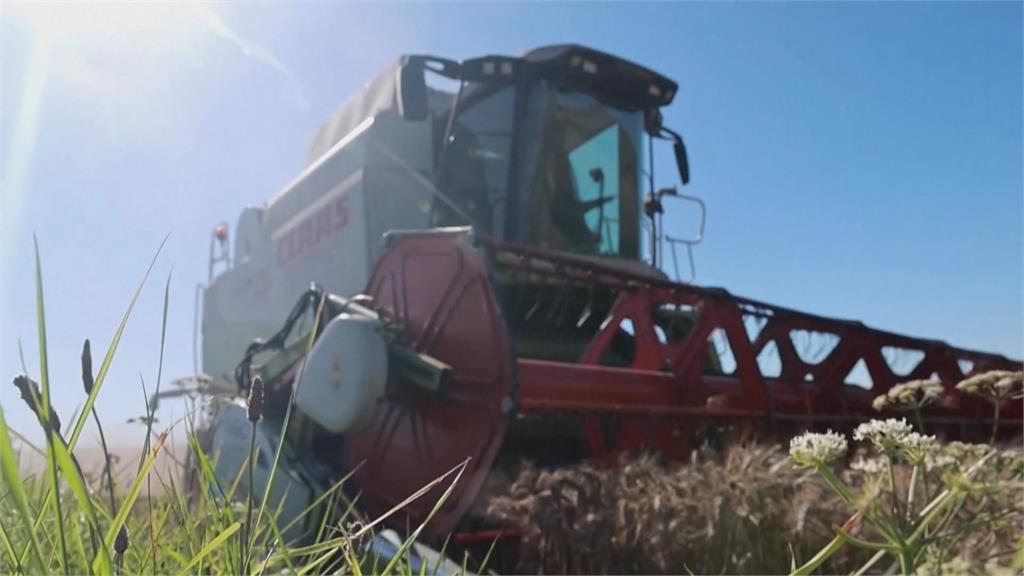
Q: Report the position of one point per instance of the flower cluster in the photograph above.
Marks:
(870, 466)
(916, 447)
(813, 449)
(965, 453)
(903, 484)
(912, 395)
(886, 435)
(996, 385)
(940, 461)
(896, 437)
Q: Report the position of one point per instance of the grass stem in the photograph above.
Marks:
(248, 532)
(997, 405)
(107, 468)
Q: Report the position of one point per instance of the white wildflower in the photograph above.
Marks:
(886, 435)
(965, 453)
(915, 441)
(1010, 386)
(938, 461)
(814, 449)
(917, 446)
(995, 385)
(912, 395)
(870, 466)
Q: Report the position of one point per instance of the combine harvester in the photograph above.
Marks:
(489, 266)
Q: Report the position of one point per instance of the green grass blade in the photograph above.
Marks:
(44, 369)
(16, 491)
(46, 412)
(206, 468)
(288, 553)
(315, 564)
(75, 481)
(222, 500)
(8, 547)
(353, 562)
(101, 375)
(80, 421)
(133, 494)
(334, 542)
(403, 549)
(20, 438)
(210, 547)
(181, 508)
(76, 537)
(285, 553)
(178, 558)
(1018, 559)
(150, 409)
(820, 558)
(871, 562)
(484, 562)
(158, 542)
(444, 552)
(331, 493)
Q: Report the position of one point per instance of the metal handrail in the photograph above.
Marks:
(689, 242)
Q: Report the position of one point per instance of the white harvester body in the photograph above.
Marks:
(366, 176)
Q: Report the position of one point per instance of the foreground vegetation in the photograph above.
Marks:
(66, 521)
(751, 511)
(902, 502)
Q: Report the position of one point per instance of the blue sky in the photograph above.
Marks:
(858, 160)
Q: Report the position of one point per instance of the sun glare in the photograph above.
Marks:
(105, 21)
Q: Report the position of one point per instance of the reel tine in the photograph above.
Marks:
(557, 300)
(567, 304)
(559, 306)
(536, 303)
(588, 309)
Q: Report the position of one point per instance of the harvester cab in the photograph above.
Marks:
(486, 283)
(548, 150)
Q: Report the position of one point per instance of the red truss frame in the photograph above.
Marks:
(664, 396)
(440, 291)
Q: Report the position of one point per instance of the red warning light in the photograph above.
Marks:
(221, 232)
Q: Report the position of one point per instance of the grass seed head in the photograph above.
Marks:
(32, 396)
(121, 541)
(256, 399)
(87, 379)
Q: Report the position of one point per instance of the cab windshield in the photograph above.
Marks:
(584, 194)
(569, 170)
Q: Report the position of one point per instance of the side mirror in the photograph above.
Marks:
(682, 162)
(654, 127)
(412, 90)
